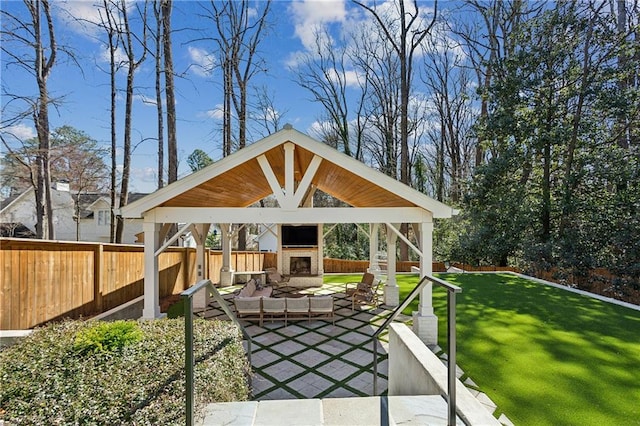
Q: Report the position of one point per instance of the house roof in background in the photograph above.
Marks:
(85, 200)
(10, 200)
(88, 199)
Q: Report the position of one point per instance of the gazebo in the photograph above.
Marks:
(290, 166)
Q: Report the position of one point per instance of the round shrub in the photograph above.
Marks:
(107, 336)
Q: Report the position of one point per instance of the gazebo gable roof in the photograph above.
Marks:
(287, 159)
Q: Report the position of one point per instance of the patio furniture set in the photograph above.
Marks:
(254, 302)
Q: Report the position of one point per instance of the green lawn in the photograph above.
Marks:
(546, 356)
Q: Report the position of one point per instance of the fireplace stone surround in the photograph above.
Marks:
(289, 253)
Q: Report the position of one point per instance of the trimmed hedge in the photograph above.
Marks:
(45, 380)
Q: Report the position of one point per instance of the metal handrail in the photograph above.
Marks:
(451, 339)
(187, 297)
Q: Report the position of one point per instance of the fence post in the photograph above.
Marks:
(186, 270)
(98, 254)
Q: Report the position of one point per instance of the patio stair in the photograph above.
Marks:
(374, 410)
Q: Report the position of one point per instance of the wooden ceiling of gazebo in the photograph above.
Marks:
(246, 184)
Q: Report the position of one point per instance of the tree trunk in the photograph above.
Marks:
(128, 116)
(114, 140)
(126, 161)
(159, 110)
(43, 66)
(172, 141)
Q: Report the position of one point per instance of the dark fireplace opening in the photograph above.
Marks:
(300, 265)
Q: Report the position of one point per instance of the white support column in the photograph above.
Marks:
(425, 323)
(289, 185)
(226, 272)
(320, 250)
(391, 290)
(279, 256)
(374, 267)
(201, 299)
(151, 308)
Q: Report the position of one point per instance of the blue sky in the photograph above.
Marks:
(86, 90)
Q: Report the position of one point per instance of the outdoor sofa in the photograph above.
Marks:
(286, 309)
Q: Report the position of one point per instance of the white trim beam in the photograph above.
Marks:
(165, 230)
(172, 239)
(403, 238)
(272, 179)
(195, 233)
(278, 215)
(304, 184)
(364, 231)
(288, 173)
(330, 229)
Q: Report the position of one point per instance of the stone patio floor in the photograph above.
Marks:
(314, 359)
(317, 359)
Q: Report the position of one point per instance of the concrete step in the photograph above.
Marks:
(365, 411)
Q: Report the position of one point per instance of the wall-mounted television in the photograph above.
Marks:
(299, 235)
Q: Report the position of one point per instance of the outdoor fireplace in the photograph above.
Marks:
(300, 254)
(300, 262)
(300, 265)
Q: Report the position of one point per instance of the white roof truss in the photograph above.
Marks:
(290, 165)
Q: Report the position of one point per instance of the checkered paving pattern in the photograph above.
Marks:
(314, 359)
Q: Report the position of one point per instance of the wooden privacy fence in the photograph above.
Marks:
(42, 281)
(360, 266)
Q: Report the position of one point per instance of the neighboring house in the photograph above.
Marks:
(94, 218)
(83, 217)
(268, 237)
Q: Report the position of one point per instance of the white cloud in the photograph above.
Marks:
(119, 56)
(145, 174)
(350, 77)
(320, 128)
(439, 42)
(81, 17)
(294, 59)
(309, 16)
(269, 114)
(252, 12)
(217, 113)
(203, 61)
(84, 16)
(20, 132)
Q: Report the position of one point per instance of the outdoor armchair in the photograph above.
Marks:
(364, 295)
(365, 282)
(275, 278)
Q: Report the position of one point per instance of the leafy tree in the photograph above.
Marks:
(198, 160)
(558, 188)
(75, 157)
